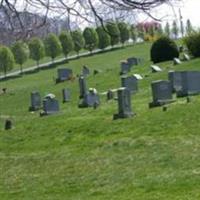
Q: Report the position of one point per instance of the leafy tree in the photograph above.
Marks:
(124, 32)
(91, 38)
(37, 50)
(114, 32)
(7, 60)
(167, 29)
(175, 29)
(52, 46)
(21, 53)
(66, 42)
(78, 40)
(134, 33)
(189, 28)
(104, 38)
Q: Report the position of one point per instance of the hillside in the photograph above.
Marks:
(84, 154)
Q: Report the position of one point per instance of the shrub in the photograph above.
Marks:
(114, 33)
(104, 38)
(78, 40)
(164, 49)
(192, 42)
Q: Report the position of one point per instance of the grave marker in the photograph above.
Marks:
(66, 95)
(35, 101)
(155, 69)
(124, 104)
(82, 86)
(161, 92)
(64, 74)
(125, 67)
(85, 71)
(177, 61)
(131, 83)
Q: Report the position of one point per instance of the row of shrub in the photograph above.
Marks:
(67, 42)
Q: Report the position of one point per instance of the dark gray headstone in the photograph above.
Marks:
(85, 71)
(91, 99)
(64, 74)
(125, 67)
(110, 95)
(161, 92)
(66, 95)
(35, 101)
(177, 61)
(82, 86)
(190, 83)
(50, 106)
(8, 124)
(133, 61)
(175, 79)
(131, 83)
(124, 104)
(155, 68)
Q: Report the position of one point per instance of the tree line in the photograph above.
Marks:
(111, 34)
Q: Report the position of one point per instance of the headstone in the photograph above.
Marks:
(190, 83)
(82, 86)
(125, 67)
(161, 92)
(8, 124)
(64, 74)
(175, 79)
(133, 61)
(50, 105)
(85, 71)
(4, 90)
(124, 104)
(35, 101)
(131, 83)
(110, 95)
(91, 99)
(155, 68)
(177, 61)
(186, 57)
(138, 76)
(66, 95)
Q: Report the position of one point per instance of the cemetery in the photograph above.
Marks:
(107, 118)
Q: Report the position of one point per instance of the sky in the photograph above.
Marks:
(189, 10)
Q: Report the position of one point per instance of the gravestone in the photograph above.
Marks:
(50, 105)
(125, 67)
(82, 86)
(66, 95)
(177, 61)
(133, 61)
(91, 99)
(175, 79)
(35, 101)
(131, 83)
(190, 83)
(110, 95)
(64, 74)
(138, 76)
(161, 92)
(155, 69)
(8, 124)
(85, 71)
(124, 104)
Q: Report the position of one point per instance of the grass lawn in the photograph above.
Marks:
(84, 154)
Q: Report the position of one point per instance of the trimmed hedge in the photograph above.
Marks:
(164, 49)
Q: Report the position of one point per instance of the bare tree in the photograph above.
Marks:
(92, 11)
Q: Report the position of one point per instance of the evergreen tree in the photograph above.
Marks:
(124, 32)
(175, 29)
(189, 28)
(114, 32)
(91, 39)
(21, 53)
(78, 40)
(37, 50)
(52, 46)
(104, 38)
(167, 29)
(7, 60)
(66, 43)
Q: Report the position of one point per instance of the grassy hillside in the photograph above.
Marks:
(84, 154)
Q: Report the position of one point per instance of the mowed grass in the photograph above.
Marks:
(84, 154)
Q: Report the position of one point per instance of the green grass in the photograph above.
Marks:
(84, 154)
